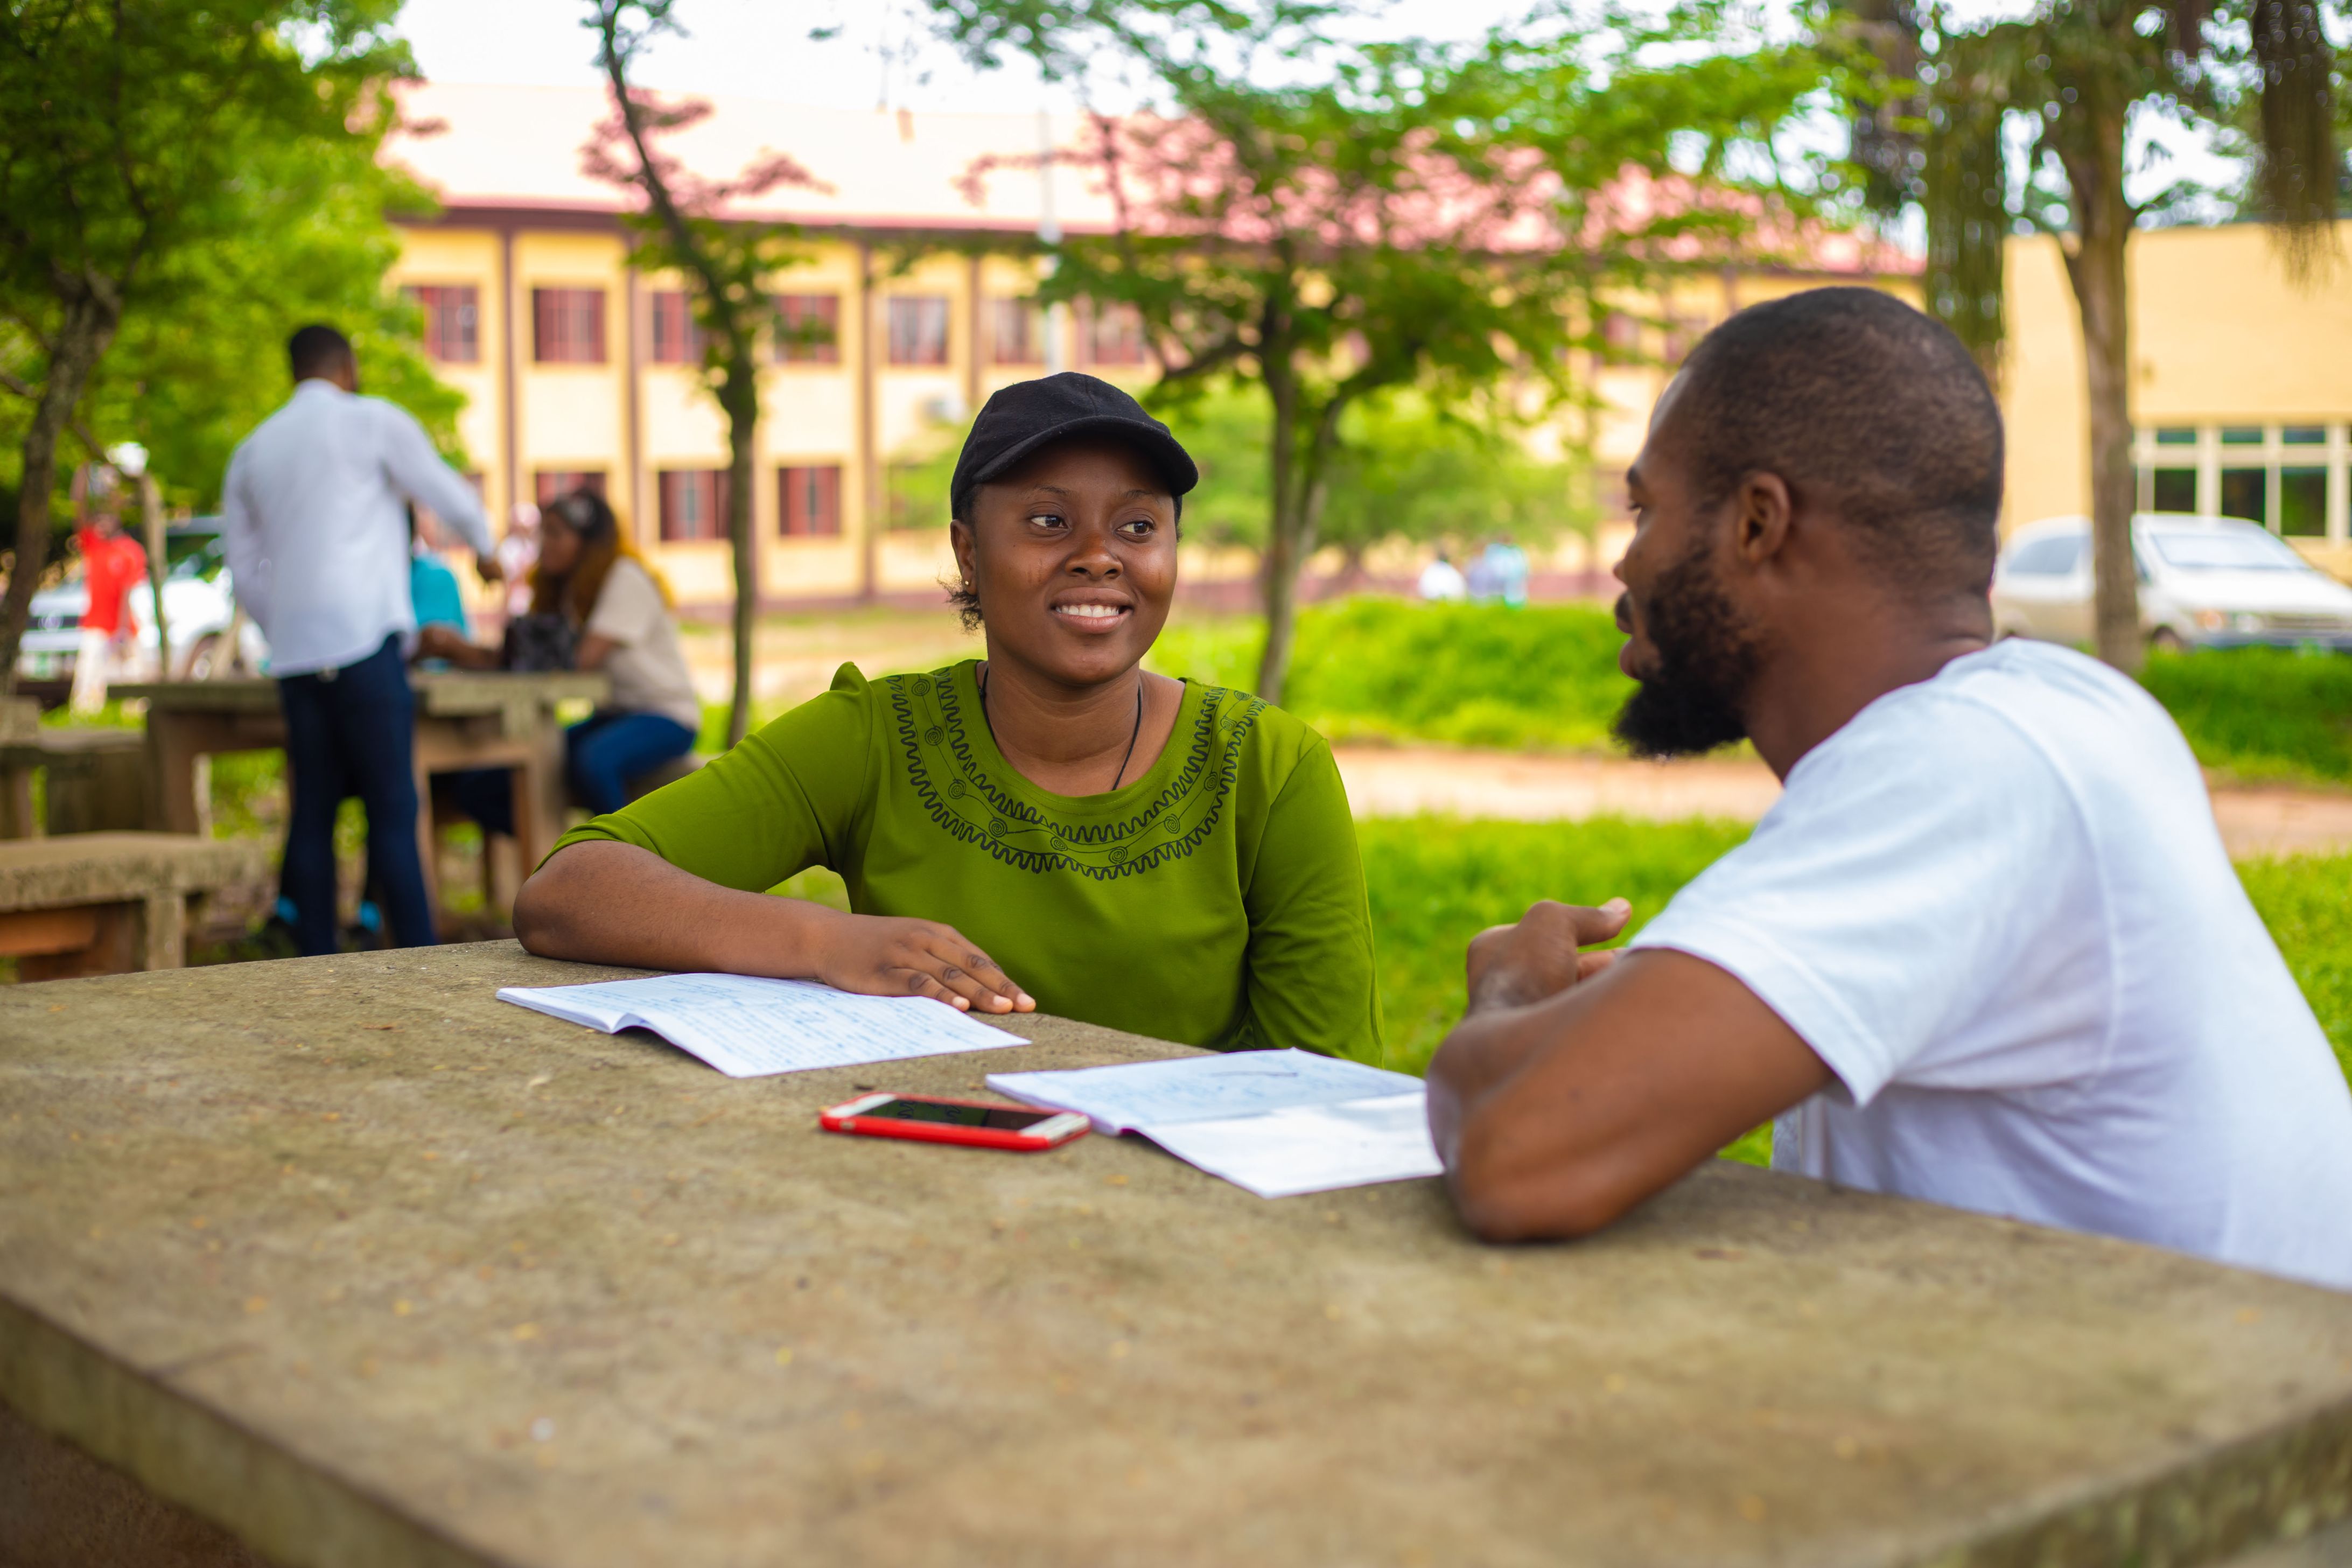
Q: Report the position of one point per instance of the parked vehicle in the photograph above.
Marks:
(2204, 581)
(198, 596)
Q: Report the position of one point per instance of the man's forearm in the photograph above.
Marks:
(1480, 1052)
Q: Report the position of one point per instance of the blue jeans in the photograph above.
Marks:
(602, 753)
(353, 731)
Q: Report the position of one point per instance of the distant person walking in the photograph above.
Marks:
(314, 522)
(112, 564)
(1501, 573)
(1442, 582)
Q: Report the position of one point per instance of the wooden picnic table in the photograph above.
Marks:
(464, 719)
(365, 1265)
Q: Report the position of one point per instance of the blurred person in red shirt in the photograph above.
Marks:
(112, 564)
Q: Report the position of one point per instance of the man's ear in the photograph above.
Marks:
(1760, 528)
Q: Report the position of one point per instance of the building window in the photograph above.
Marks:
(1682, 333)
(2303, 503)
(808, 328)
(2243, 495)
(693, 504)
(808, 502)
(1016, 332)
(677, 339)
(919, 329)
(452, 322)
(1114, 335)
(568, 326)
(551, 485)
(2293, 479)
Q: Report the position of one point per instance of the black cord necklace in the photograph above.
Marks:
(1132, 735)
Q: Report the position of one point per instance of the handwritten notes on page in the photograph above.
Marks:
(1276, 1123)
(747, 1026)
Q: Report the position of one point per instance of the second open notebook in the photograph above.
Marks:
(1276, 1123)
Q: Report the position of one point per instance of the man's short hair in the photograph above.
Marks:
(318, 351)
(1878, 409)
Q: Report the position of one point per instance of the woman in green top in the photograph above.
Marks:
(1051, 827)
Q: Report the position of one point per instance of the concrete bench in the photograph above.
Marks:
(108, 903)
(96, 781)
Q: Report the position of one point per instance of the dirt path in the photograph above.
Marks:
(1399, 781)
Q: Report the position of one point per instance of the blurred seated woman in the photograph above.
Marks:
(588, 575)
(1050, 826)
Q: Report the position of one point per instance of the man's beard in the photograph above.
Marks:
(1690, 702)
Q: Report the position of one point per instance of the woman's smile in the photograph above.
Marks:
(1093, 616)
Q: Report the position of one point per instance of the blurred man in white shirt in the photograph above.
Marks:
(315, 525)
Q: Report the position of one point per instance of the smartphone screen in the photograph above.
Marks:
(1005, 1118)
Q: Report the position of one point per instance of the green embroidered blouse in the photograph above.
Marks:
(1217, 900)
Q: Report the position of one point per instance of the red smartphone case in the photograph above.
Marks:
(1024, 1139)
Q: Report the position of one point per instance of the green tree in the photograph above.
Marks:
(725, 262)
(1329, 222)
(2071, 82)
(136, 137)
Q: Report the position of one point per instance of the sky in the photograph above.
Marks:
(884, 56)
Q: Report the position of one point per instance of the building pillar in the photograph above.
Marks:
(510, 376)
(869, 482)
(632, 477)
(975, 336)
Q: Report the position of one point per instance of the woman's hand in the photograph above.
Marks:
(882, 955)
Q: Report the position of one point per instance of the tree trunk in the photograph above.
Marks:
(151, 513)
(1285, 544)
(86, 328)
(2097, 268)
(741, 395)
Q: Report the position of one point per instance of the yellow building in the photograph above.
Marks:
(2241, 386)
(580, 369)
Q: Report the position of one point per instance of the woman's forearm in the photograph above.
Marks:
(607, 903)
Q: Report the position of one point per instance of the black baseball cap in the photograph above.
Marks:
(1029, 414)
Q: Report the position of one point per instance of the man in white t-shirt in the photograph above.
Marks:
(1986, 951)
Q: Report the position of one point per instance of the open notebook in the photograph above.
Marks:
(1278, 1123)
(746, 1027)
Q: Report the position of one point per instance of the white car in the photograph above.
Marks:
(196, 594)
(2204, 581)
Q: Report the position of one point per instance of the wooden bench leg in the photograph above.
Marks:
(16, 802)
(163, 931)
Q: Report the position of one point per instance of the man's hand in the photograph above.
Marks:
(487, 568)
(1513, 966)
(882, 955)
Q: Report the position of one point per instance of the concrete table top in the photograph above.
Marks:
(374, 1269)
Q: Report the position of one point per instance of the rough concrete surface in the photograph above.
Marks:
(371, 1269)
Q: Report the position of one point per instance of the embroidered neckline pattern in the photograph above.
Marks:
(975, 808)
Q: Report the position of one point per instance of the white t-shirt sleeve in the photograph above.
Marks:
(628, 606)
(1927, 868)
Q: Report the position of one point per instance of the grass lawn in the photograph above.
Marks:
(1546, 677)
